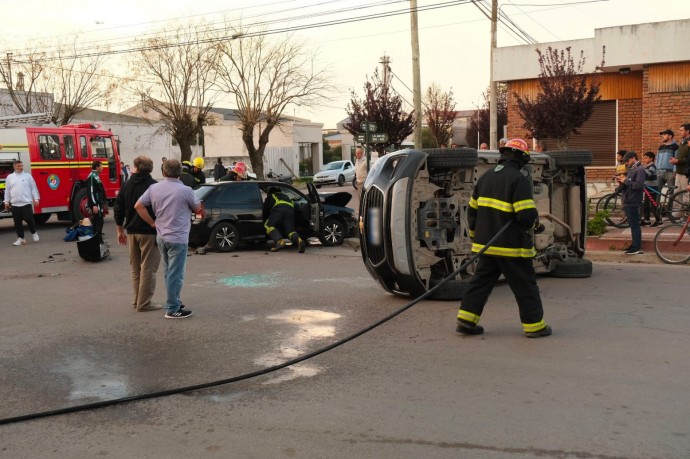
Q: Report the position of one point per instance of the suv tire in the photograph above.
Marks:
(571, 157)
(451, 290)
(572, 269)
(333, 233)
(450, 158)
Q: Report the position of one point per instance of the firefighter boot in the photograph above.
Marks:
(298, 242)
(280, 244)
(546, 331)
(468, 328)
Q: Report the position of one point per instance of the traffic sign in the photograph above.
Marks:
(361, 138)
(379, 138)
(368, 127)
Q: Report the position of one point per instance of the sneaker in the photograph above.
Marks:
(634, 252)
(150, 307)
(546, 331)
(19, 241)
(180, 314)
(466, 328)
(279, 245)
(644, 223)
(655, 224)
(35, 237)
(302, 246)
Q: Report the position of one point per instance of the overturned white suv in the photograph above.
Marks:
(413, 217)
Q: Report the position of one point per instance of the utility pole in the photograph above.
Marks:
(385, 60)
(416, 83)
(493, 97)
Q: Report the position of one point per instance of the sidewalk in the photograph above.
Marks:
(609, 246)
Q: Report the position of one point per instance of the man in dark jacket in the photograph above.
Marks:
(186, 176)
(218, 170)
(632, 186)
(279, 212)
(504, 195)
(144, 256)
(97, 201)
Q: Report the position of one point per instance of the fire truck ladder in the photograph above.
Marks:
(31, 118)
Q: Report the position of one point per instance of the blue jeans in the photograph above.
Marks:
(633, 214)
(174, 258)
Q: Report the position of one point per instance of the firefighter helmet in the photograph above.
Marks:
(517, 146)
(240, 169)
(199, 163)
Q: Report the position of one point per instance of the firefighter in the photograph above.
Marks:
(186, 176)
(504, 195)
(98, 204)
(279, 211)
(197, 171)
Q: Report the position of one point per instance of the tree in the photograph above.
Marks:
(439, 113)
(182, 61)
(565, 99)
(265, 77)
(382, 108)
(58, 81)
(479, 122)
(428, 140)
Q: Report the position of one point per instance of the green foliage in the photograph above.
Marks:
(597, 225)
(428, 140)
(334, 154)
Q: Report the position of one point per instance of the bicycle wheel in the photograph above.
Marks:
(678, 207)
(613, 204)
(600, 202)
(672, 244)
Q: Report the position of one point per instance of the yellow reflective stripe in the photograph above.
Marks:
(468, 316)
(471, 234)
(280, 201)
(268, 228)
(505, 251)
(522, 205)
(529, 328)
(473, 203)
(495, 204)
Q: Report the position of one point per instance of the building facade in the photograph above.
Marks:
(645, 87)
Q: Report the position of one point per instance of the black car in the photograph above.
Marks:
(231, 214)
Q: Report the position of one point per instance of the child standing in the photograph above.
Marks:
(651, 191)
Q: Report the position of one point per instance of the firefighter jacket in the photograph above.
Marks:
(501, 195)
(275, 200)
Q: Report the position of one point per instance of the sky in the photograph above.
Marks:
(454, 35)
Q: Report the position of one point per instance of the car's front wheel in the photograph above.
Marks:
(224, 237)
(333, 233)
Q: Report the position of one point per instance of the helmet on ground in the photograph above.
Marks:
(517, 146)
(199, 162)
(240, 169)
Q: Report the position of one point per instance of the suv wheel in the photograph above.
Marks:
(573, 268)
(451, 290)
(571, 157)
(333, 233)
(224, 237)
(450, 158)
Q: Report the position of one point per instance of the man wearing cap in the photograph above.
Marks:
(503, 196)
(666, 151)
(632, 186)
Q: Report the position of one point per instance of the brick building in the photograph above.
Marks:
(645, 87)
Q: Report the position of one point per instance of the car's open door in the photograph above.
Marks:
(317, 212)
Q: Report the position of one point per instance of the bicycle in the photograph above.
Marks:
(674, 206)
(672, 243)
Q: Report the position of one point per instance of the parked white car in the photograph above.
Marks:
(336, 172)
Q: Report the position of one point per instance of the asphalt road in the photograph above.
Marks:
(611, 381)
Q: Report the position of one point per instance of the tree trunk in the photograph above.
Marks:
(185, 149)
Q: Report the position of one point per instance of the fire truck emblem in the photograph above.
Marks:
(53, 181)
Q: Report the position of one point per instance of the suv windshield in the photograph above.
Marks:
(333, 166)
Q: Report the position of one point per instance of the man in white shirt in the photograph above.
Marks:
(21, 194)
(360, 167)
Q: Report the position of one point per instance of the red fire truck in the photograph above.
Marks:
(59, 159)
